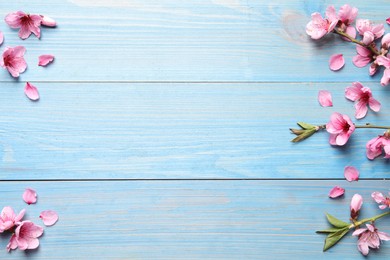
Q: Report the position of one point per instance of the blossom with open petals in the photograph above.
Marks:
(363, 97)
(355, 206)
(8, 218)
(369, 237)
(340, 128)
(318, 26)
(377, 145)
(25, 236)
(381, 199)
(384, 61)
(28, 23)
(369, 31)
(347, 15)
(13, 60)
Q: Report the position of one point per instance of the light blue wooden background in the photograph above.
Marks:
(162, 130)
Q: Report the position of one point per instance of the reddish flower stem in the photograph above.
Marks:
(370, 47)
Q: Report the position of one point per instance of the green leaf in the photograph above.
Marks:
(336, 222)
(297, 131)
(334, 238)
(330, 230)
(303, 136)
(306, 125)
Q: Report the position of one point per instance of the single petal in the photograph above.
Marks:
(383, 61)
(336, 192)
(20, 215)
(368, 37)
(31, 92)
(12, 243)
(363, 248)
(49, 217)
(386, 41)
(30, 196)
(359, 231)
(325, 98)
(351, 173)
(45, 59)
(353, 93)
(351, 31)
(383, 236)
(342, 139)
(336, 62)
(361, 109)
(374, 104)
(378, 197)
(32, 243)
(1, 38)
(385, 80)
(363, 51)
(14, 19)
(360, 61)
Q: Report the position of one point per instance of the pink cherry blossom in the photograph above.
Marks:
(340, 128)
(347, 15)
(25, 236)
(49, 217)
(384, 61)
(47, 21)
(325, 98)
(381, 199)
(351, 173)
(318, 26)
(377, 145)
(28, 23)
(30, 196)
(8, 218)
(1, 37)
(369, 237)
(369, 31)
(363, 97)
(31, 92)
(336, 62)
(356, 204)
(45, 59)
(13, 60)
(336, 192)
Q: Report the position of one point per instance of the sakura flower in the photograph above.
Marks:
(363, 96)
(336, 192)
(49, 217)
(384, 61)
(340, 128)
(30, 196)
(31, 92)
(377, 145)
(8, 218)
(45, 59)
(336, 62)
(355, 206)
(351, 173)
(1, 37)
(380, 199)
(325, 98)
(13, 60)
(47, 21)
(25, 236)
(347, 15)
(369, 237)
(28, 23)
(369, 31)
(318, 26)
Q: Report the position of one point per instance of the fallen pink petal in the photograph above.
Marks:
(325, 98)
(336, 62)
(45, 59)
(30, 196)
(351, 173)
(336, 192)
(31, 92)
(49, 217)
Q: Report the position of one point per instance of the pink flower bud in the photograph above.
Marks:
(47, 21)
(356, 204)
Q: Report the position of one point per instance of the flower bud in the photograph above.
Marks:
(356, 204)
(47, 21)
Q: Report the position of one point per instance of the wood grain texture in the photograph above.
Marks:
(191, 219)
(106, 130)
(195, 40)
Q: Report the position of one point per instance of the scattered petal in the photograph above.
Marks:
(1, 38)
(30, 196)
(45, 59)
(31, 92)
(351, 173)
(325, 98)
(336, 192)
(49, 217)
(336, 62)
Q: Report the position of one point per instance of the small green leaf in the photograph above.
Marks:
(303, 136)
(306, 125)
(297, 131)
(336, 222)
(334, 238)
(330, 230)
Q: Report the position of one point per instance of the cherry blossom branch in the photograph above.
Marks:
(370, 47)
(372, 219)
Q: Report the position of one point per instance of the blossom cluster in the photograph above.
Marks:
(25, 233)
(13, 57)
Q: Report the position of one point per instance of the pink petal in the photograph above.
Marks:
(30, 196)
(360, 61)
(336, 192)
(1, 38)
(383, 236)
(359, 231)
(45, 59)
(353, 92)
(49, 217)
(378, 197)
(336, 62)
(325, 98)
(388, 20)
(374, 104)
(361, 109)
(368, 37)
(47, 21)
(31, 92)
(351, 173)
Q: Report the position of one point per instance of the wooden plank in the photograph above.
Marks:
(195, 40)
(103, 130)
(191, 219)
